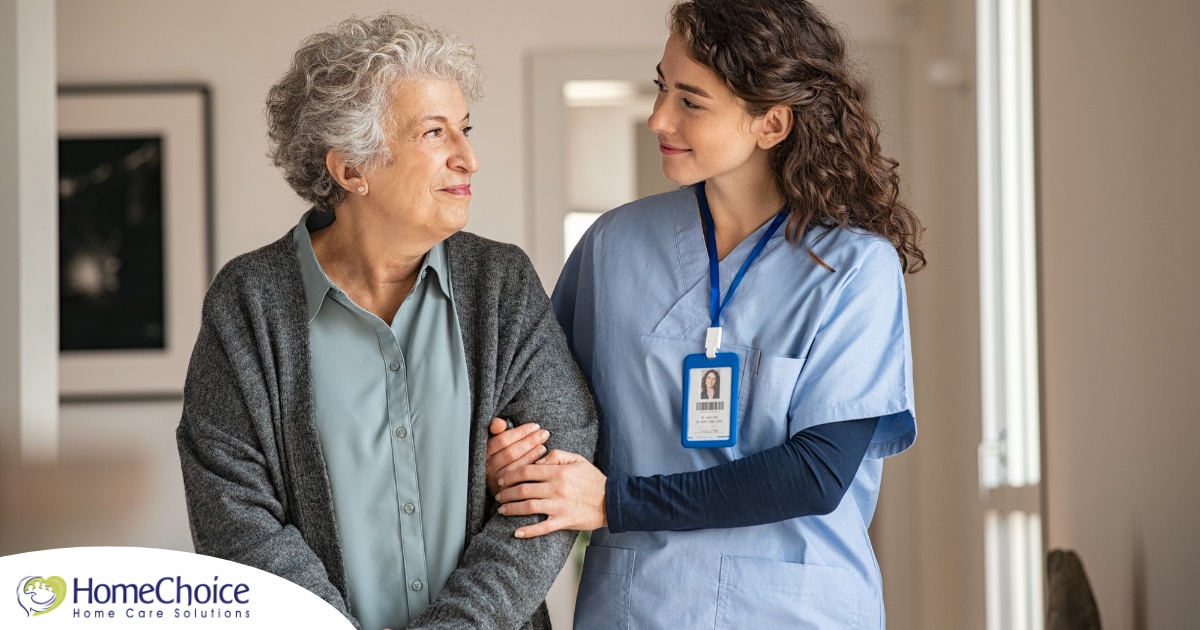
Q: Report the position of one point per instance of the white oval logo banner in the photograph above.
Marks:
(134, 587)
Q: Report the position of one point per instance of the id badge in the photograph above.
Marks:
(710, 395)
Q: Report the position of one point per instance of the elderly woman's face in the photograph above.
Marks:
(427, 187)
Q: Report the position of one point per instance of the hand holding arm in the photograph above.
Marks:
(565, 487)
(810, 474)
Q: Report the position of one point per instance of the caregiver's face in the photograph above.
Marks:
(704, 131)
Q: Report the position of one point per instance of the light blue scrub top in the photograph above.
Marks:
(815, 347)
(392, 406)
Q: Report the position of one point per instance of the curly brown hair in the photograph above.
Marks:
(829, 169)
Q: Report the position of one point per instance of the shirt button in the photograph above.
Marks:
(409, 508)
(394, 365)
(401, 433)
(417, 585)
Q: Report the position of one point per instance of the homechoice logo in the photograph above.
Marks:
(166, 597)
(39, 595)
(152, 589)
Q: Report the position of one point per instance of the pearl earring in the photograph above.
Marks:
(362, 189)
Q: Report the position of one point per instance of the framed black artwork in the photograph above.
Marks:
(135, 220)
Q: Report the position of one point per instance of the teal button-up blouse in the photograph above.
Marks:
(392, 408)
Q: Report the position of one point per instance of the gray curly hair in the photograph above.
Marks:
(336, 93)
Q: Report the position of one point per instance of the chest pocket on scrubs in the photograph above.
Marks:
(766, 398)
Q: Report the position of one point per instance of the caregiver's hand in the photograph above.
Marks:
(564, 486)
(512, 448)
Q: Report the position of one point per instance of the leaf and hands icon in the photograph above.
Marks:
(38, 595)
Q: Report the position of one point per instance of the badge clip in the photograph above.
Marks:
(712, 342)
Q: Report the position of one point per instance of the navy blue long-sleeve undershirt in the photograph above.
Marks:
(809, 474)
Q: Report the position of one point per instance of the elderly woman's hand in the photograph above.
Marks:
(564, 486)
(509, 449)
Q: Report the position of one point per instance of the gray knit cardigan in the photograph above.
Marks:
(257, 488)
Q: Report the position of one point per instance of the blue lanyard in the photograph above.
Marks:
(715, 305)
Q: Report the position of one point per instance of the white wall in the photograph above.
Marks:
(28, 339)
(1120, 211)
(929, 529)
(600, 156)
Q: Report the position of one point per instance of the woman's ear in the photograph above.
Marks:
(347, 177)
(774, 126)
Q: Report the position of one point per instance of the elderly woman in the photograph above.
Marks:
(336, 408)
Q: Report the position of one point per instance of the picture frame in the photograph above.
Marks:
(135, 237)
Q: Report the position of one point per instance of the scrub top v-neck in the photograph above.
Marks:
(815, 345)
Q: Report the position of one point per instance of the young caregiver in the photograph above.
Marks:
(779, 267)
